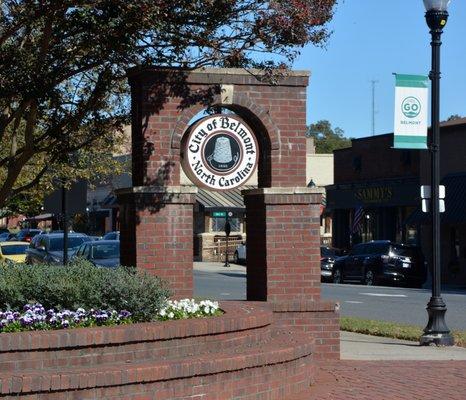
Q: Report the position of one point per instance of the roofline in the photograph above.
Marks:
(444, 124)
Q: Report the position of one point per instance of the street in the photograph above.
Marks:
(395, 304)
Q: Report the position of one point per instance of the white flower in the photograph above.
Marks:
(171, 315)
(162, 312)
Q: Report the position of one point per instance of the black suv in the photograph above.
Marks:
(48, 247)
(382, 261)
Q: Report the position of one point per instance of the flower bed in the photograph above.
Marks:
(35, 317)
(188, 308)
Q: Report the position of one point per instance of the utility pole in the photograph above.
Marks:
(373, 82)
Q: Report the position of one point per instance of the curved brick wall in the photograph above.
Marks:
(239, 354)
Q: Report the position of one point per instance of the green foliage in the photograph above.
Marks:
(81, 284)
(454, 117)
(63, 68)
(327, 139)
(390, 329)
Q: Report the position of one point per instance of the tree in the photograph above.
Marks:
(63, 65)
(326, 138)
(454, 117)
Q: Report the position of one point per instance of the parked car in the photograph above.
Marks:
(95, 238)
(102, 253)
(240, 254)
(381, 261)
(48, 247)
(328, 255)
(115, 235)
(26, 235)
(13, 251)
(4, 237)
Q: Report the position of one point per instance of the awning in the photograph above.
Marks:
(455, 198)
(41, 217)
(109, 202)
(231, 199)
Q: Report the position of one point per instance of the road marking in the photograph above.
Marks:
(353, 302)
(225, 294)
(383, 295)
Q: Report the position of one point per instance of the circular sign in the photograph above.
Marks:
(411, 107)
(219, 152)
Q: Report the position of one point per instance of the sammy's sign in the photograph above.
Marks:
(220, 152)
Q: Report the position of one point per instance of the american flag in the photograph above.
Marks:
(356, 226)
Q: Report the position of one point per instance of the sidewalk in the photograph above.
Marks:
(390, 380)
(355, 346)
(376, 368)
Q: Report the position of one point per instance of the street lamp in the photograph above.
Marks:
(436, 332)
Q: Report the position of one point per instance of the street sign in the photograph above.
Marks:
(426, 192)
(426, 195)
(219, 214)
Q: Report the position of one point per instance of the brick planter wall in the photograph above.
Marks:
(240, 354)
(320, 319)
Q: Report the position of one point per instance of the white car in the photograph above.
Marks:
(240, 254)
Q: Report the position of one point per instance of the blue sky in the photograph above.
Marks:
(372, 39)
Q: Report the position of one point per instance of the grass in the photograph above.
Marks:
(391, 329)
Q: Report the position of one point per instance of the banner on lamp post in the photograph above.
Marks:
(411, 105)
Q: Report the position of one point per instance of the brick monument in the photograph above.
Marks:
(283, 263)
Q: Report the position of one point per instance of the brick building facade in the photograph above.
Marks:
(385, 182)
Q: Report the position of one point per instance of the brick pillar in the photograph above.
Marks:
(157, 233)
(283, 263)
(283, 252)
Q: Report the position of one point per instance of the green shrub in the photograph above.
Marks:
(81, 284)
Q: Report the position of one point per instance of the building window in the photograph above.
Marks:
(218, 224)
(328, 225)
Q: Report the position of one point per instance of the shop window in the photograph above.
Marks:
(218, 224)
(328, 225)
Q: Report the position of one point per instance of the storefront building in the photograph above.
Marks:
(375, 189)
(383, 185)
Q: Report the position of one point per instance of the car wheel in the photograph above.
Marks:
(235, 258)
(336, 276)
(369, 278)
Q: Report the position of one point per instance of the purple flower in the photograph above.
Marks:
(25, 320)
(124, 314)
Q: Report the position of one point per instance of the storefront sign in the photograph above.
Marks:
(220, 152)
(410, 131)
(374, 194)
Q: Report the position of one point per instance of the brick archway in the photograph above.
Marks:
(283, 215)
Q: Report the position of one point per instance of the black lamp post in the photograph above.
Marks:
(436, 332)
